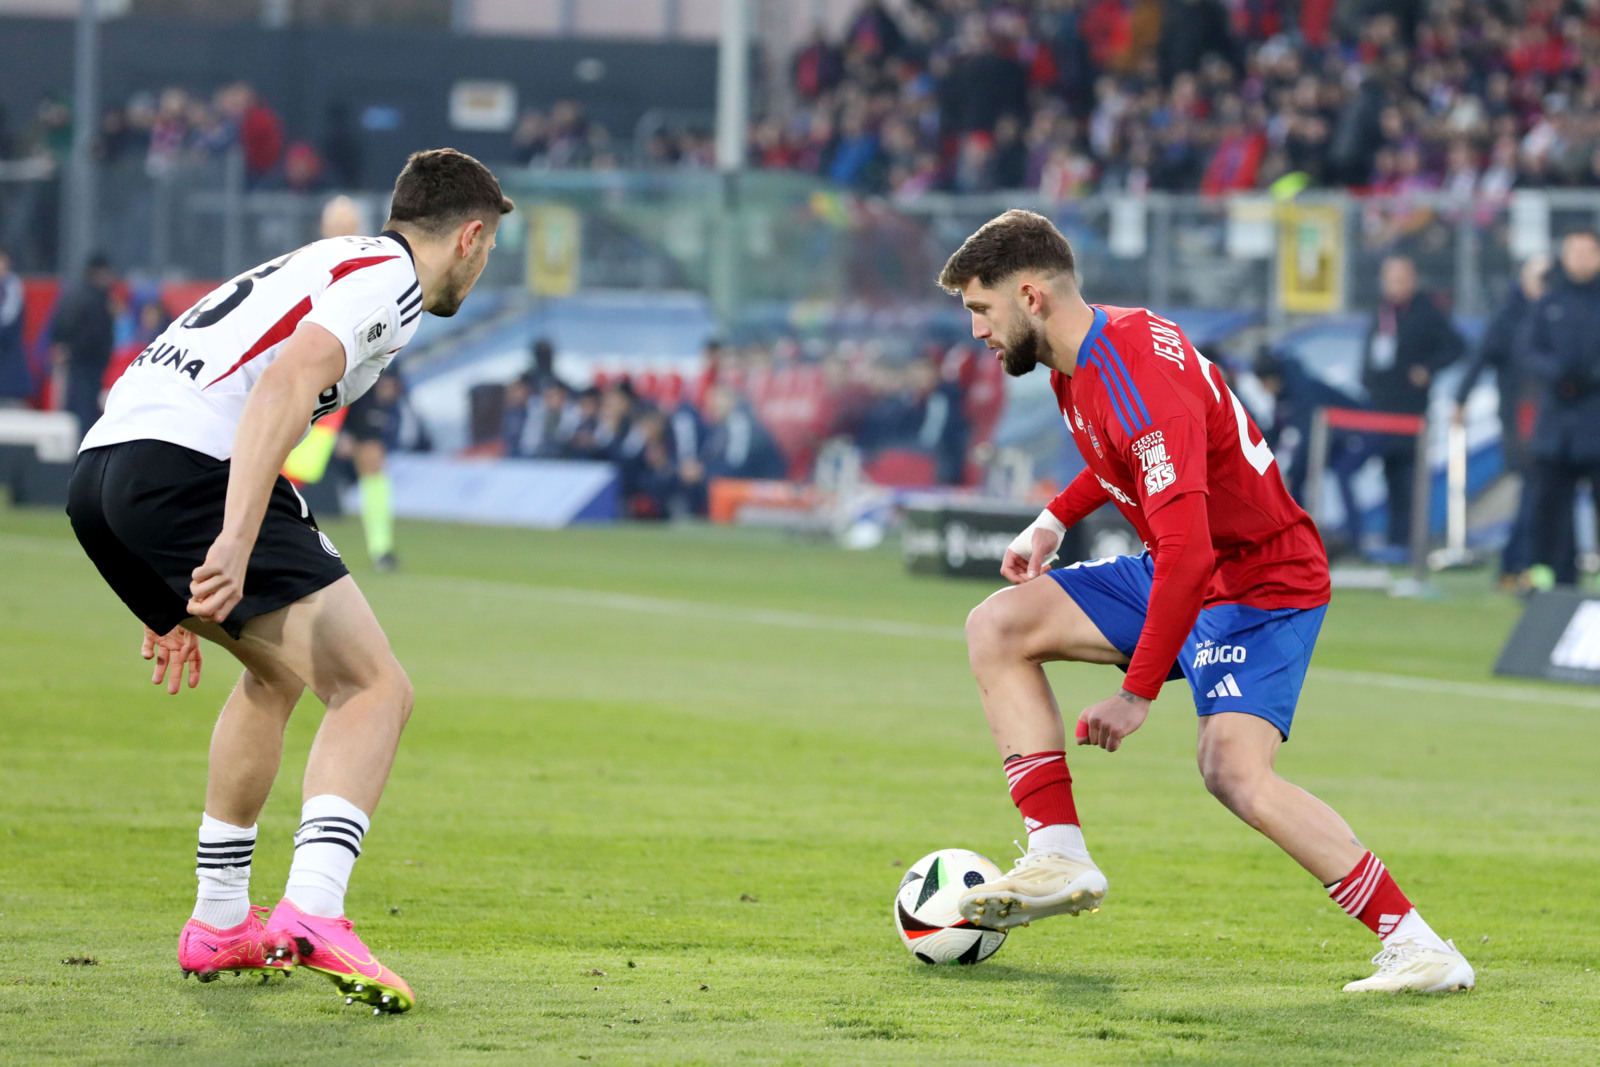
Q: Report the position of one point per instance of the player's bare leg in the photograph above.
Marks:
(225, 933)
(332, 641)
(1009, 638)
(1236, 756)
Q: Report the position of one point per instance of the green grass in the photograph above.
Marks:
(595, 784)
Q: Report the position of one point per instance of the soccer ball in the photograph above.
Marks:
(925, 910)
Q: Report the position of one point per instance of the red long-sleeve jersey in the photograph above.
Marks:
(1157, 425)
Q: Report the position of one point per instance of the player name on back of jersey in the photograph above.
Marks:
(190, 385)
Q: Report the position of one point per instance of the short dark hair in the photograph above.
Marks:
(1015, 241)
(1583, 231)
(441, 188)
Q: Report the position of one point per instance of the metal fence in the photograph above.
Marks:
(770, 236)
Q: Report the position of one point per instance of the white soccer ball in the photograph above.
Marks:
(925, 910)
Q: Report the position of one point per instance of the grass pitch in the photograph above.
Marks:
(657, 796)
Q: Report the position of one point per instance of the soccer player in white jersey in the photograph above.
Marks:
(177, 499)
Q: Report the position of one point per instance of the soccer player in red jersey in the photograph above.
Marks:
(1230, 594)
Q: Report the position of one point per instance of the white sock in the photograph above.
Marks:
(222, 867)
(1414, 928)
(1065, 838)
(325, 851)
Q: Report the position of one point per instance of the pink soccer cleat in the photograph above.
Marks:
(205, 952)
(331, 947)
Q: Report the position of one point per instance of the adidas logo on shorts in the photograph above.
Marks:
(1225, 688)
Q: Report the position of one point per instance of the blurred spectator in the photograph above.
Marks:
(81, 340)
(1297, 394)
(551, 424)
(737, 445)
(1564, 354)
(581, 443)
(542, 364)
(514, 424)
(1410, 341)
(942, 429)
(16, 379)
(1504, 349)
(260, 131)
(341, 217)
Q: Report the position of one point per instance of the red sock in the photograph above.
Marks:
(1369, 893)
(1041, 788)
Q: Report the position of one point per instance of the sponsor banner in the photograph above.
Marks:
(1557, 638)
(969, 540)
(504, 492)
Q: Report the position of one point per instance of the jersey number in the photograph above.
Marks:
(1257, 454)
(200, 316)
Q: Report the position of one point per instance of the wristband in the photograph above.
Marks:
(1023, 545)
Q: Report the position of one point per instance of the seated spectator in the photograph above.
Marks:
(552, 424)
(581, 444)
(514, 427)
(737, 445)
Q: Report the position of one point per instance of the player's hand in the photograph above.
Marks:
(172, 652)
(1017, 570)
(217, 585)
(1458, 415)
(1108, 722)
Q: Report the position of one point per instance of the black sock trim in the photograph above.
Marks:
(354, 851)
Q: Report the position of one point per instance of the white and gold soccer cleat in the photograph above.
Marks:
(1040, 885)
(1406, 966)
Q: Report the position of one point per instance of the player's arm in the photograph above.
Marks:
(1034, 549)
(1184, 562)
(275, 415)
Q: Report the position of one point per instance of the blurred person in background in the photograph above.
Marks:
(942, 431)
(737, 444)
(516, 415)
(1297, 394)
(581, 442)
(1410, 341)
(550, 426)
(1564, 356)
(81, 340)
(16, 379)
(1504, 350)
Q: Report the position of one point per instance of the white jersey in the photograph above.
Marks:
(190, 385)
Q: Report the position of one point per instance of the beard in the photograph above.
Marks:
(1022, 351)
(454, 287)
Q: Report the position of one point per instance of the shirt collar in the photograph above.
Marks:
(1085, 349)
(395, 236)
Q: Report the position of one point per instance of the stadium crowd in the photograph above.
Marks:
(758, 411)
(1070, 97)
(1073, 96)
(167, 129)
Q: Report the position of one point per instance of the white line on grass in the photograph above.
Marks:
(728, 613)
(798, 620)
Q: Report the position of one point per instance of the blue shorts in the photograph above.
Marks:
(1236, 658)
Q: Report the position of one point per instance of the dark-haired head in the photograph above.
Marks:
(1005, 273)
(441, 188)
(448, 206)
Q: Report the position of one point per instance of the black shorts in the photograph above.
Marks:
(368, 418)
(147, 512)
